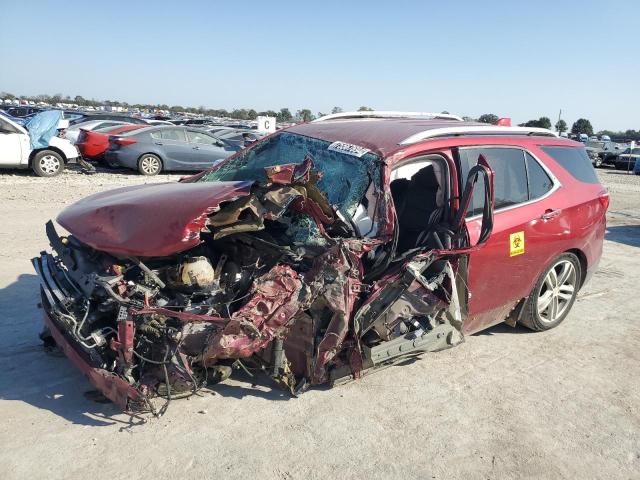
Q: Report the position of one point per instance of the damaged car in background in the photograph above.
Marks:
(318, 255)
(37, 144)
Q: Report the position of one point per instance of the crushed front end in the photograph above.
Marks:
(151, 297)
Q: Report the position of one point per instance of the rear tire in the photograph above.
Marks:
(47, 163)
(598, 163)
(553, 295)
(149, 164)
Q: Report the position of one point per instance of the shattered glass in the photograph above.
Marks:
(345, 178)
(303, 230)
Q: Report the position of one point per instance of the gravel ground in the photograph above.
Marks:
(505, 404)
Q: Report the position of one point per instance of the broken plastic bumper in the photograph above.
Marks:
(55, 299)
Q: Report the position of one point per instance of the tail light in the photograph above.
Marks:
(124, 141)
(604, 199)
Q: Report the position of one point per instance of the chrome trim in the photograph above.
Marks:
(556, 183)
(476, 130)
(388, 114)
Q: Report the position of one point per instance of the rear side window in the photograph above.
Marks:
(575, 161)
(539, 182)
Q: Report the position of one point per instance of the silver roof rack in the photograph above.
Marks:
(388, 114)
(476, 130)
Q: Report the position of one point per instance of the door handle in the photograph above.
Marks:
(196, 148)
(550, 213)
(158, 143)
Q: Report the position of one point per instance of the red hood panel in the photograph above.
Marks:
(153, 220)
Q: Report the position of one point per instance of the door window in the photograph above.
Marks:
(174, 134)
(6, 127)
(200, 137)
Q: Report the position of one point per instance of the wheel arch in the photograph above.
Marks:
(583, 263)
(48, 148)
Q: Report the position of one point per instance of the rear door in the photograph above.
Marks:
(173, 147)
(205, 150)
(527, 224)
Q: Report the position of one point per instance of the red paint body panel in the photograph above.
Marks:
(110, 385)
(93, 144)
(112, 221)
(152, 220)
(496, 280)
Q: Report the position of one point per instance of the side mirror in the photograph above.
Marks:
(483, 169)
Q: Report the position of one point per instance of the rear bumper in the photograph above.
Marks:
(89, 150)
(57, 293)
(590, 271)
(121, 158)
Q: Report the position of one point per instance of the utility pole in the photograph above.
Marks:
(559, 117)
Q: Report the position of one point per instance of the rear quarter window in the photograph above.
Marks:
(575, 161)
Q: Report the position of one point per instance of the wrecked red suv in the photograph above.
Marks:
(322, 253)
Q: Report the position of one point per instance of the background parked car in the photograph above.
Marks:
(627, 159)
(40, 149)
(240, 137)
(73, 132)
(605, 152)
(22, 111)
(152, 150)
(107, 116)
(93, 143)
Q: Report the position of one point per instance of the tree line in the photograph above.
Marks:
(581, 125)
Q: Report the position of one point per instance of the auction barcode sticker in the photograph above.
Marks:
(348, 148)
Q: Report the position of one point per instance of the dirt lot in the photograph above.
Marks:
(505, 404)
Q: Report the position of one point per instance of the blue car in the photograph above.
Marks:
(166, 148)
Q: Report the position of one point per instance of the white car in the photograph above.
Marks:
(73, 132)
(16, 151)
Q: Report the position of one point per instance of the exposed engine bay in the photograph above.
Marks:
(279, 281)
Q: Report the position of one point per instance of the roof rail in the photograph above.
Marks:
(387, 114)
(476, 130)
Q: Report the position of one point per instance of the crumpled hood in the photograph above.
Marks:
(153, 220)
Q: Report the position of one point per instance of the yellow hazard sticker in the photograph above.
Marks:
(516, 244)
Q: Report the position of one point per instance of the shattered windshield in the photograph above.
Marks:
(345, 178)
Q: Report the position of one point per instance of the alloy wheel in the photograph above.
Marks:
(150, 165)
(49, 164)
(557, 291)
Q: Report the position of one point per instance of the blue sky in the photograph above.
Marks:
(513, 58)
